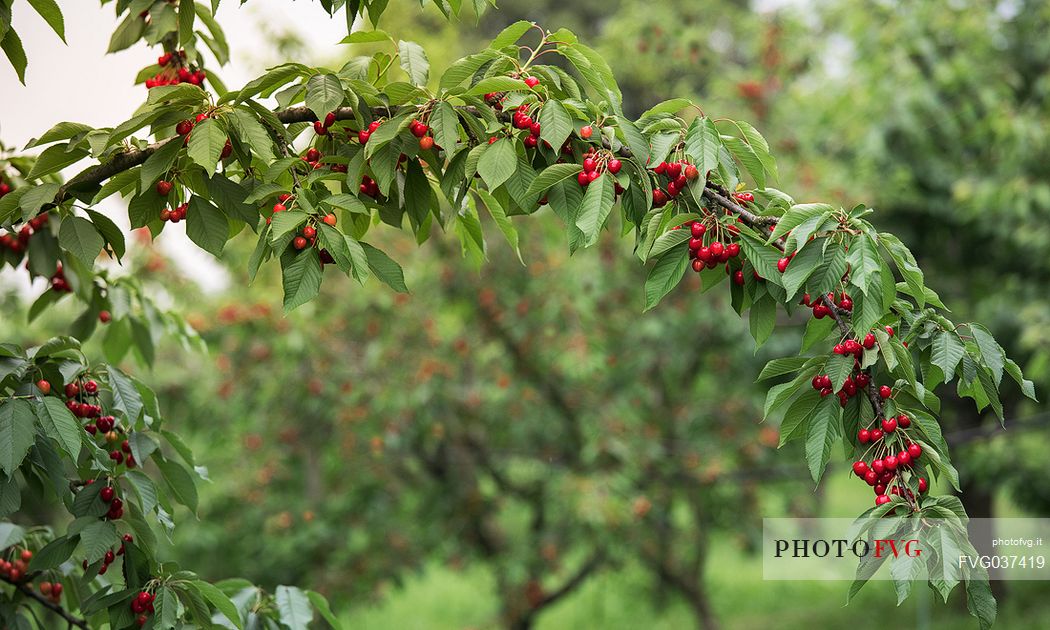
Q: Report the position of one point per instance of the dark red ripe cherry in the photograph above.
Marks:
(44, 387)
(163, 188)
(312, 155)
(362, 136)
(309, 231)
(846, 304)
(104, 317)
(583, 178)
(532, 81)
(922, 484)
(320, 129)
(880, 488)
(903, 458)
(890, 461)
(659, 198)
(698, 265)
(882, 499)
(201, 117)
(738, 277)
(889, 425)
(889, 330)
(614, 166)
(329, 119)
(878, 466)
(862, 380)
(586, 131)
(903, 421)
(91, 387)
(183, 127)
(116, 456)
(589, 165)
(864, 436)
(72, 389)
(299, 242)
(745, 196)
(782, 264)
(417, 128)
(733, 249)
(860, 469)
(716, 249)
(279, 207)
(914, 450)
(885, 391)
(871, 477)
(869, 341)
(691, 172)
(697, 229)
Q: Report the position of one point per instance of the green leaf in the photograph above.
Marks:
(385, 268)
(206, 143)
(555, 124)
(321, 604)
(206, 226)
(179, 481)
(665, 275)
(497, 163)
(54, 553)
(324, 93)
(822, 433)
(16, 433)
(445, 123)
(551, 176)
(159, 163)
(782, 366)
(798, 214)
(220, 601)
(301, 277)
(762, 318)
(946, 352)
(167, 608)
(1027, 387)
(794, 425)
(126, 397)
(294, 607)
(60, 425)
(48, 9)
(366, 37)
(187, 15)
(10, 535)
(597, 203)
(12, 47)
(54, 159)
(98, 538)
(511, 34)
(802, 266)
(743, 152)
(980, 601)
(414, 62)
(838, 369)
(497, 84)
(991, 352)
(865, 262)
(503, 222)
(635, 139)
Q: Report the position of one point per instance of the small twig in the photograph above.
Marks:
(28, 591)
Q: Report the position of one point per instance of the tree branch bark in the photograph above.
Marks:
(25, 589)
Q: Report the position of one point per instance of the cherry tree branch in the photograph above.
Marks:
(25, 589)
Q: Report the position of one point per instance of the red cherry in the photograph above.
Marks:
(426, 143)
(44, 387)
(889, 425)
(733, 249)
(418, 129)
(309, 231)
(922, 484)
(104, 316)
(846, 304)
(890, 461)
(904, 459)
(614, 166)
(163, 188)
(312, 155)
(583, 178)
(91, 387)
(864, 436)
(903, 421)
(201, 117)
(782, 264)
(878, 466)
(738, 277)
(589, 165)
(745, 197)
(882, 499)
(871, 477)
(362, 136)
(72, 389)
(279, 207)
(862, 380)
(330, 219)
(586, 131)
(880, 488)
(889, 330)
(698, 265)
(914, 450)
(329, 119)
(532, 81)
(860, 469)
(691, 172)
(876, 435)
(659, 198)
(716, 248)
(184, 127)
(697, 229)
(885, 391)
(299, 242)
(869, 341)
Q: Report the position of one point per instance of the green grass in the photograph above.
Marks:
(441, 598)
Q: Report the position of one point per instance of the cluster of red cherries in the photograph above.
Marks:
(82, 401)
(708, 255)
(880, 473)
(142, 605)
(522, 120)
(369, 187)
(597, 162)
(110, 556)
(174, 215)
(19, 241)
(51, 590)
(15, 570)
(174, 71)
(365, 134)
(321, 126)
(821, 309)
(678, 175)
(420, 130)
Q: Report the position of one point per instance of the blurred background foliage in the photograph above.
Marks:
(518, 445)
